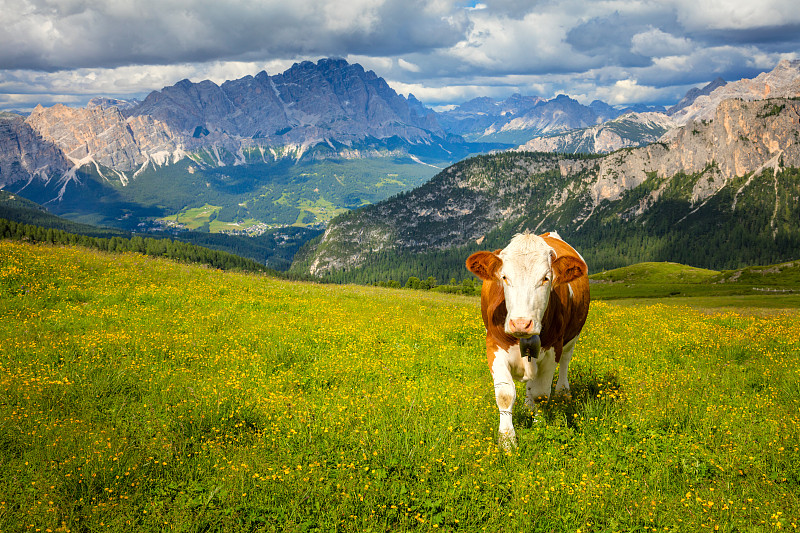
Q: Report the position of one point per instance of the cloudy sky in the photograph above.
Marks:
(442, 51)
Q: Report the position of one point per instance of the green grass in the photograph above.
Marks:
(195, 217)
(656, 273)
(143, 395)
(322, 210)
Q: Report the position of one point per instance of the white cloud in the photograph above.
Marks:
(535, 42)
(736, 14)
(411, 67)
(380, 65)
(655, 42)
(628, 91)
(437, 96)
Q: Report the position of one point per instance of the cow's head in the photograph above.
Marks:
(528, 270)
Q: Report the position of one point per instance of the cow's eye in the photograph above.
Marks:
(504, 278)
(545, 279)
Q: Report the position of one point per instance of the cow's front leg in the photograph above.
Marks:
(505, 393)
(538, 388)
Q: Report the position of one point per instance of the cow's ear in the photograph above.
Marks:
(567, 268)
(484, 264)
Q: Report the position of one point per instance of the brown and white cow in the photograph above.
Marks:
(534, 302)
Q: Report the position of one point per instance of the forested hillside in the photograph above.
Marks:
(171, 249)
(710, 237)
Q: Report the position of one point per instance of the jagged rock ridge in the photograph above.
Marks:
(525, 116)
(308, 103)
(782, 81)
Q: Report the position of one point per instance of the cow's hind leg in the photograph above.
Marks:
(562, 386)
(538, 388)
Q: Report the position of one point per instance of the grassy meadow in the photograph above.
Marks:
(144, 395)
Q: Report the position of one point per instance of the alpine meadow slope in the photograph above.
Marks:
(129, 405)
(718, 193)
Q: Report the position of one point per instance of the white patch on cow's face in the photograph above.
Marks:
(527, 278)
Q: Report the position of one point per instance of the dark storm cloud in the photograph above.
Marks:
(608, 39)
(50, 35)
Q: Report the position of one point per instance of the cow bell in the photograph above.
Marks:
(530, 347)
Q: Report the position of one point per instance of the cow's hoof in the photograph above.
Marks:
(532, 402)
(507, 442)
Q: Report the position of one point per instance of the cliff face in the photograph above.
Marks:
(308, 103)
(101, 134)
(24, 154)
(742, 138)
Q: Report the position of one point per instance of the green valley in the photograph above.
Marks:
(276, 194)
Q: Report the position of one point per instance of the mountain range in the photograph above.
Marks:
(519, 118)
(256, 154)
(264, 152)
(718, 191)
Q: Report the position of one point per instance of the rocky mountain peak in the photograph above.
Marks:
(694, 93)
(308, 103)
(782, 82)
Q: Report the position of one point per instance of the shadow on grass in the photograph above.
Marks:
(590, 392)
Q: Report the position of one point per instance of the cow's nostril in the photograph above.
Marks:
(521, 325)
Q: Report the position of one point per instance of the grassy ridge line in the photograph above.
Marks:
(780, 283)
(140, 394)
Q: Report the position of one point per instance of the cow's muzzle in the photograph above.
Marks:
(530, 347)
(521, 327)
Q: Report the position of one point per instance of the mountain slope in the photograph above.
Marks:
(632, 129)
(719, 194)
(694, 94)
